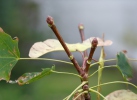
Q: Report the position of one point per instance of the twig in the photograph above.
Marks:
(51, 24)
(93, 47)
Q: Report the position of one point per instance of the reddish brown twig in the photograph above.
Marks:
(93, 47)
(81, 31)
(51, 24)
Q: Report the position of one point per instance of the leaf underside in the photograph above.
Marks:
(124, 66)
(50, 45)
(122, 95)
(9, 55)
(33, 76)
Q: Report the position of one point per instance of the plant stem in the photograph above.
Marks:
(51, 24)
(108, 60)
(47, 59)
(76, 90)
(81, 31)
(115, 82)
(91, 90)
(93, 64)
(76, 98)
(66, 73)
(101, 68)
(93, 47)
(131, 59)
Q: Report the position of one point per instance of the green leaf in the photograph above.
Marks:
(50, 45)
(9, 55)
(124, 66)
(30, 77)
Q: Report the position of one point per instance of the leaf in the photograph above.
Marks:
(30, 77)
(50, 45)
(124, 66)
(9, 55)
(122, 95)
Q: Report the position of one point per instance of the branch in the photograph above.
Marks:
(51, 24)
(81, 31)
(93, 48)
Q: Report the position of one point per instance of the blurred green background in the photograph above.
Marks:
(22, 18)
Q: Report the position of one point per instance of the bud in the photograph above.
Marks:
(50, 21)
(1, 30)
(85, 87)
(94, 42)
(81, 26)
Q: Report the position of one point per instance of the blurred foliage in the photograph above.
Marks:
(21, 18)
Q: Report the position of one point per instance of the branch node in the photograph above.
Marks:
(88, 62)
(71, 57)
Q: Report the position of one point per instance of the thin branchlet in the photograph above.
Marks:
(81, 31)
(51, 24)
(93, 48)
(83, 71)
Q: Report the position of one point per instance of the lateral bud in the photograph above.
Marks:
(50, 21)
(85, 87)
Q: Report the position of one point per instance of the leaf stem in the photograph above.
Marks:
(108, 60)
(47, 59)
(94, 64)
(66, 73)
(131, 59)
(84, 82)
(55, 60)
(91, 90)
(113, 83)
(101, 68)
